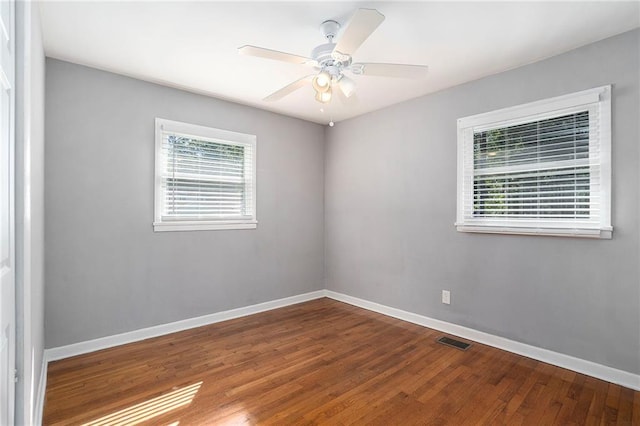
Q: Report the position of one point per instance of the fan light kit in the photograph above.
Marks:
(331, 60)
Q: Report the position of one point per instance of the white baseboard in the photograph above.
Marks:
(599, 371)
(42, 387)
(589, 368)
(67, 351)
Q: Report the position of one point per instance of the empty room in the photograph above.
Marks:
(393, 213)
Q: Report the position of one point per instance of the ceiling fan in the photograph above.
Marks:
(332, 60)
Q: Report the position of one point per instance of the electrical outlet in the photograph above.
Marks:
(446, 297)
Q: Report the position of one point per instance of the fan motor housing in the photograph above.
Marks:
(322, 55)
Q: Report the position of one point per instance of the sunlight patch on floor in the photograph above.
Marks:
(149, 409)
(237, 419)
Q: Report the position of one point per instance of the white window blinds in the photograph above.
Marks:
(538, 168)
(205, 178)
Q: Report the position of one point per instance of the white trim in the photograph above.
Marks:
(544, 106)
(23, 208)
(8, 279)
(202, 226)
(605, 154)
(216, 135)
(80, 348)
(42, 387)
(613, 375)
(605, 234)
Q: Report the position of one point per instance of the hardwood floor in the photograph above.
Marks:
(323, 362)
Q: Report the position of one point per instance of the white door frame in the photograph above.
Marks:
(7, 212)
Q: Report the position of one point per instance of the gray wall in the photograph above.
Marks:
(390, 206)
(30, 74)
(107, 271)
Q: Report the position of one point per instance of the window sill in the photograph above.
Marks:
(605, 234)
(203, 226)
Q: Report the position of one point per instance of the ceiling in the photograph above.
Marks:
(193, 45)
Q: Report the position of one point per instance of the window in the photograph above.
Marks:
(205, 178)
(540, 168)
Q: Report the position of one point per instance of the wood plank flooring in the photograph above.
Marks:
(323, 362)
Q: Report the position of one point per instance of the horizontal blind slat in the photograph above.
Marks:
(206, 178)
(540, 169)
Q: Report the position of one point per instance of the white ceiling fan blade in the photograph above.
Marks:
(289, 88)
(362, 24)
(390, 70)
(261, 52)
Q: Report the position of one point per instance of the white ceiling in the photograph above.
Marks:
(193, 45)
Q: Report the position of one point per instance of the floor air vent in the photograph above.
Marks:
(454, 343)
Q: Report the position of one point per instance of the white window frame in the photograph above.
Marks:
(207, 133)
(598, 98)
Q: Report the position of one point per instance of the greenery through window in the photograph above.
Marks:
(537, 169)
